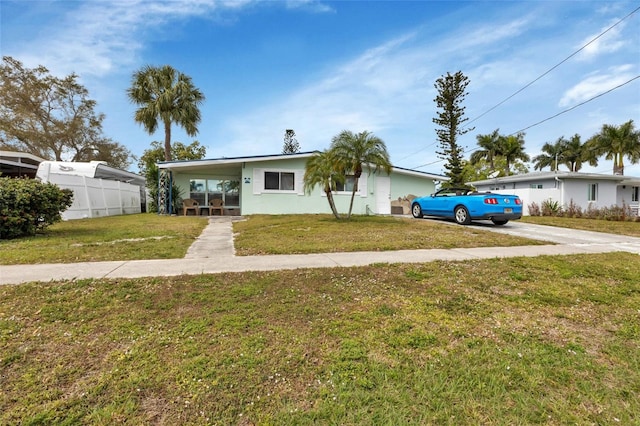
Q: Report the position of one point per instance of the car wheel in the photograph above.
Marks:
(416, 211)
(461, 215)
(499, 222)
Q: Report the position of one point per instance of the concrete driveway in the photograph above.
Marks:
(555, 234)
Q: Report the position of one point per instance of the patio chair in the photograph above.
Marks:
(216, 204)
(190, 204)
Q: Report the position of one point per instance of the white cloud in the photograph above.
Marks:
(311, 5)
(97, 38)
(596, 84)
(610, 42)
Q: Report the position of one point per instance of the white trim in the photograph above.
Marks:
(258, 181)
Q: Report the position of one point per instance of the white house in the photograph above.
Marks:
(583, 189)
(273, 184)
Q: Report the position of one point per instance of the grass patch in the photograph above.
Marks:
(296, 234)
(631, 229)
(126, 237)
(436, 343)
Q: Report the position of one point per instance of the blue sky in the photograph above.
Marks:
(320, 67)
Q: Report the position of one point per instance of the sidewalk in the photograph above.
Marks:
(213, 252)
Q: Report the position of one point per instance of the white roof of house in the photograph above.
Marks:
(221, 162)
(538, 176)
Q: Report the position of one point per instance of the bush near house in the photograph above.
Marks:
(612, 213)
(28, 206)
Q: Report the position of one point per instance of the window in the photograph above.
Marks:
(205, 190)
(279, 181)
(593, 192)
(347, 186)
(535, 186)
(635, 191)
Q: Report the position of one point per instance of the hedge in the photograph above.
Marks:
(28, 206)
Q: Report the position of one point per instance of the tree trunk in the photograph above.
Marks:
(167, 141)
(332, 204)
(353, 195)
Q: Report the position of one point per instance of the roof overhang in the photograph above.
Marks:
(228, 165)
(534, 177)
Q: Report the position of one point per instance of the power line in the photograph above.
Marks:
(540, 77)
(555, 66)
(549, 118)
(577, 105)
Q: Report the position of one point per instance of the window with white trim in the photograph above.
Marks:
(279, 181)
(592, 194)
(535, 186)
(635, 192)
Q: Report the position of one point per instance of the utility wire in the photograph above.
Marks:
(577, 105)
(555, 66)
(535, 80)
(548, 118)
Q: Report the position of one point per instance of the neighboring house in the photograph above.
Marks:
(586, 190)
(98, 189)
(274, 184)
(18, 164)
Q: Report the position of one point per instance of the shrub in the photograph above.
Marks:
(28, 206)
(573, 210)
(551, 208)
(534, 209)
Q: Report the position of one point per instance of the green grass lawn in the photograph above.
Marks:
(292, 234)
(552, 340)
(149, 236)
(127, 237)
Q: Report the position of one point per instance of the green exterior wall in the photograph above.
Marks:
(255, 200)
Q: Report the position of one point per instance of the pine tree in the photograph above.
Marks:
(291, 145)
(450, 118)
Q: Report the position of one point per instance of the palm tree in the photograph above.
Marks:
(552, 154)
(488, 147)
(512, 149)
(324, 169)
(167, 95)
(573, 153)
(358, 150)
(615, 143)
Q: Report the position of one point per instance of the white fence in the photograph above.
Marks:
(97, 197)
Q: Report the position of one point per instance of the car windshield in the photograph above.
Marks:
(450, 192)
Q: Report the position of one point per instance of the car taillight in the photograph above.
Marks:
(491, 201)
(518, 201)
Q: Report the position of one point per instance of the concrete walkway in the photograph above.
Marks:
(213, 252)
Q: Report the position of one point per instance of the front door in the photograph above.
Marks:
(383, 194)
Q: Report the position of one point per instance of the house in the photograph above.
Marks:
(19, 164)
(273, 184)
(586, 190)
(98, 189)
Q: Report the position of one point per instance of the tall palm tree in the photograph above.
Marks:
(615, 143)
(489, 145)
(512, 149)
(324, 169)
(573, 153)
(358, 150)
(166, 95)
(552, 154)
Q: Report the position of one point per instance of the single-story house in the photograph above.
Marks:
(273, 184)
(19, 164)
(586, 190)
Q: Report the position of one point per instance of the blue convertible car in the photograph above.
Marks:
(464, 205)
